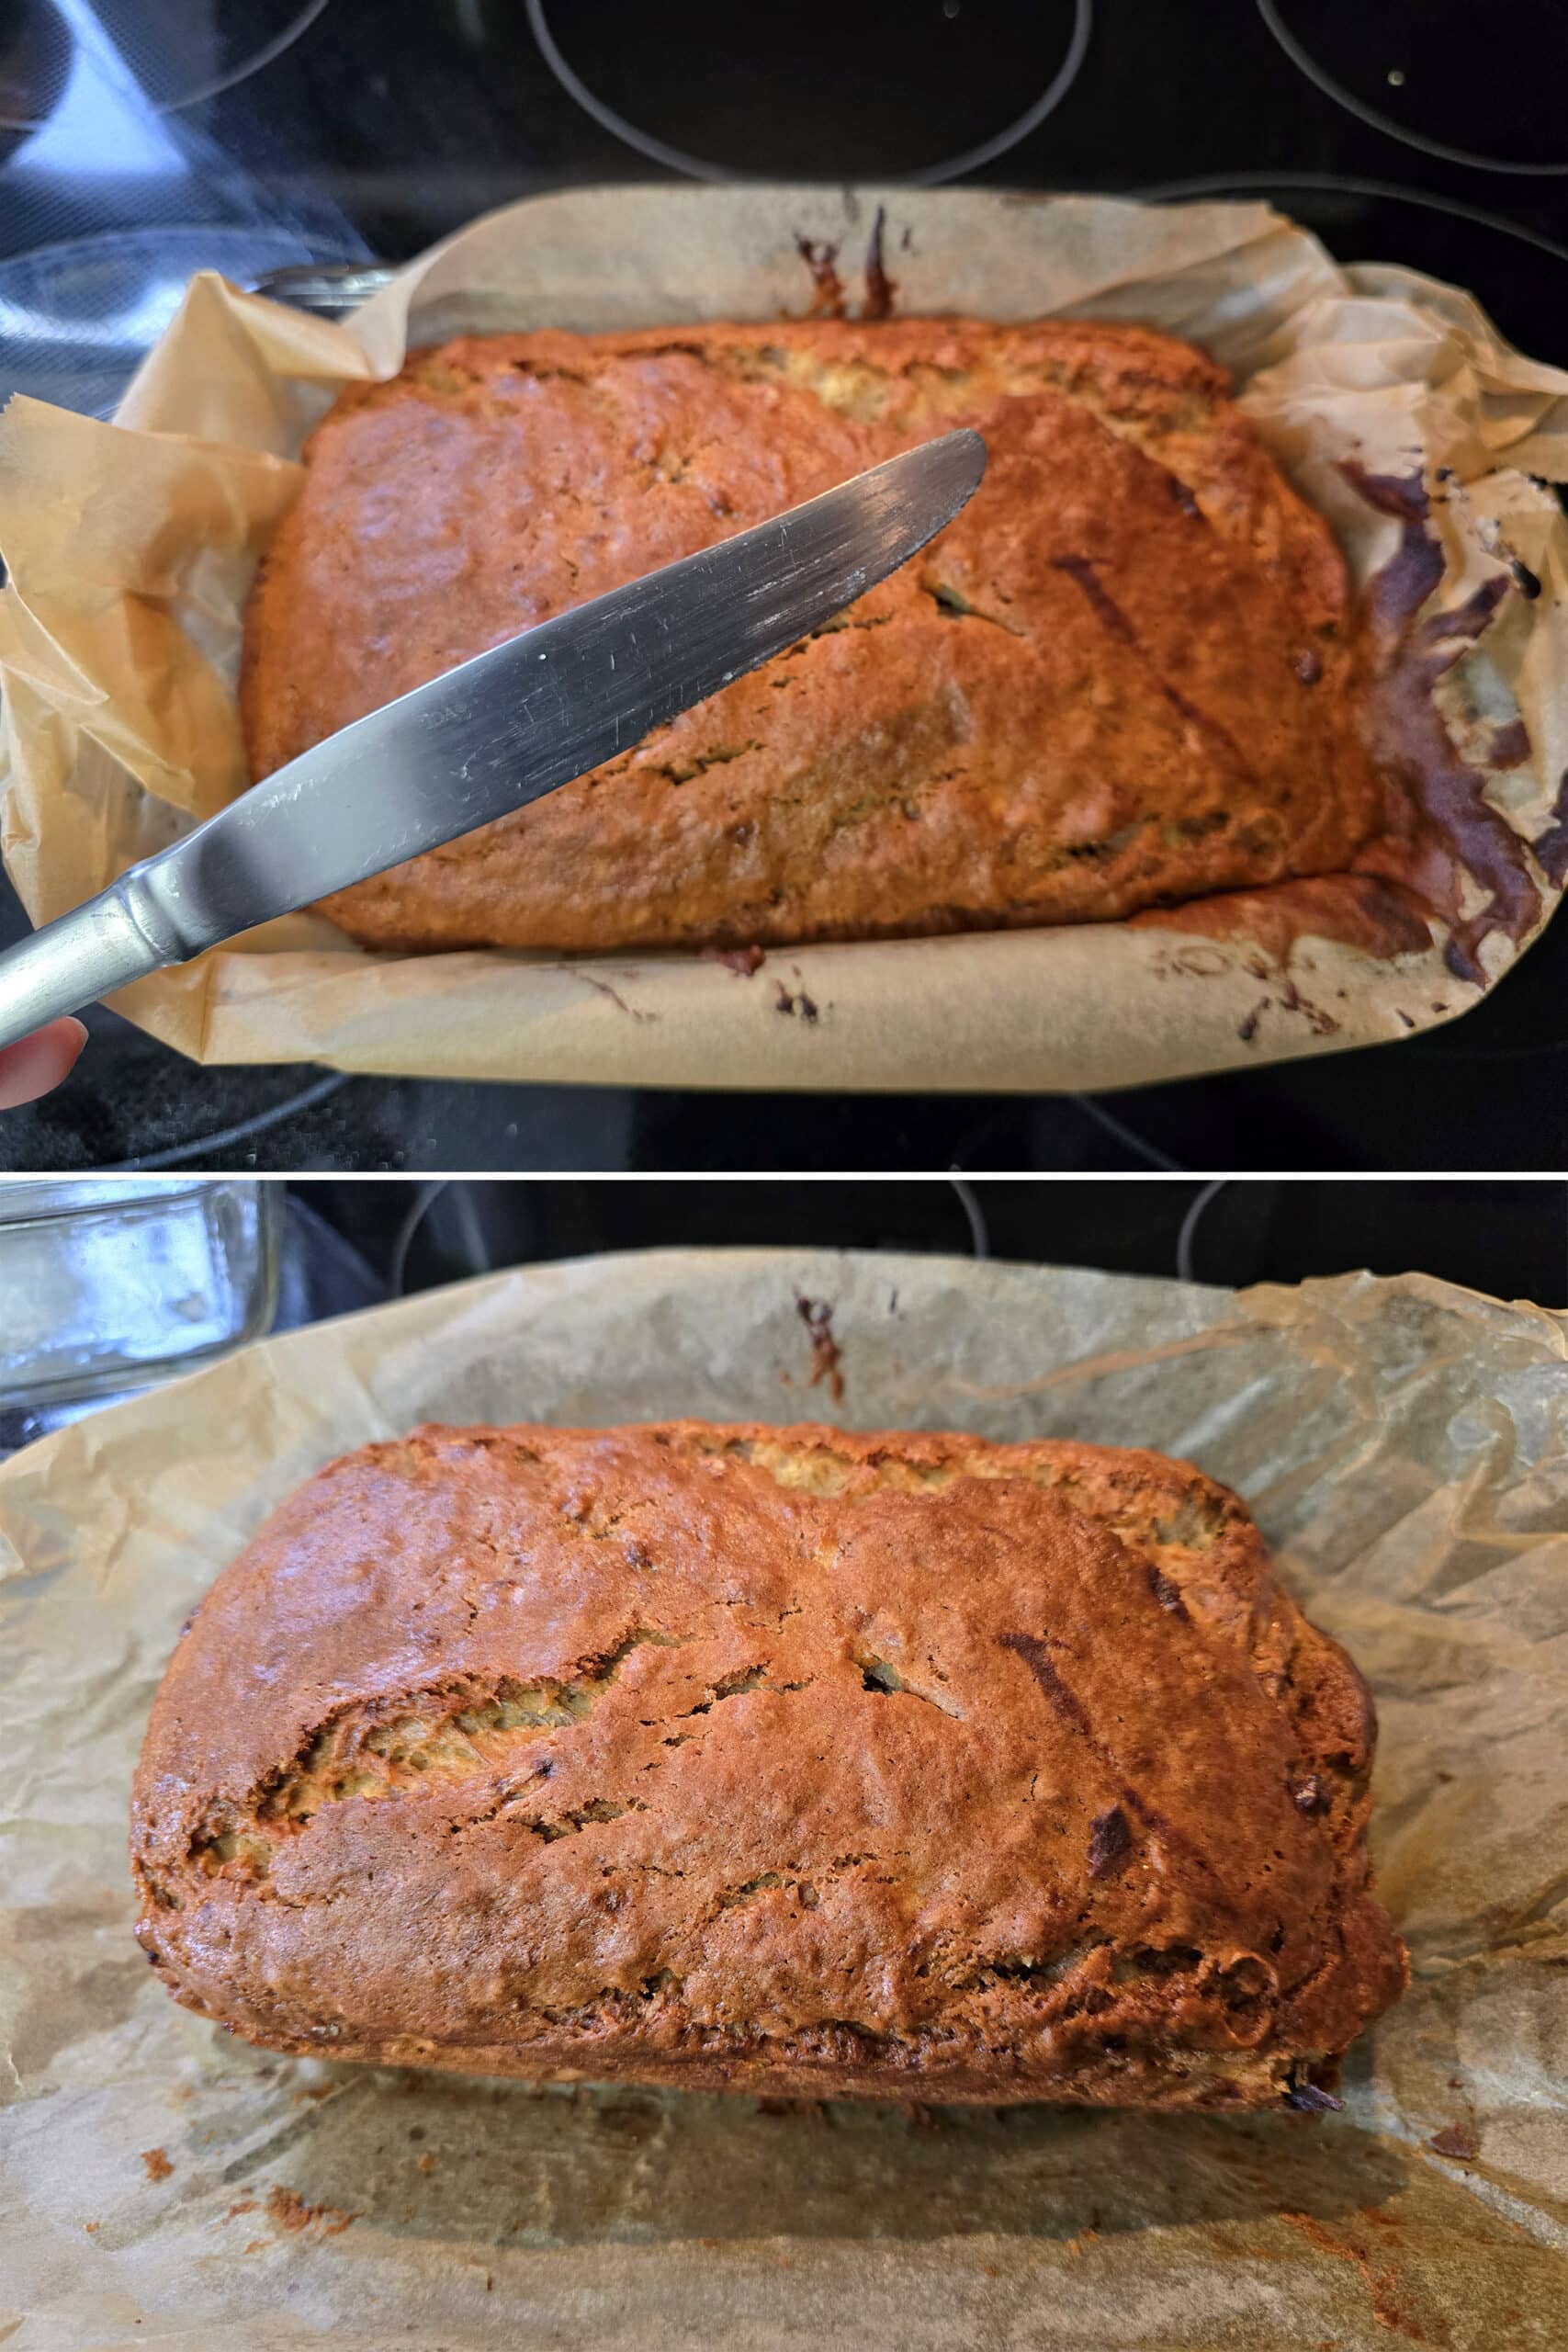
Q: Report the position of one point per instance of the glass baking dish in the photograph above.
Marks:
(110, 1285)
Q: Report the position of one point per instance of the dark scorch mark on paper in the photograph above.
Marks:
(616, 999)
(1415, 568)
(1446, 830)
(799, 1005)
(1551, 846)
(827, 1355)
(880, 288)
(822, 259)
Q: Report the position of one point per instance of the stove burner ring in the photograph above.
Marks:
(674, 159)
(77, 318)
(1241, 183)
(179, 1155)
(75, 36)
(1302, 59)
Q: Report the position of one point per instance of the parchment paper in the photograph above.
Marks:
(131, 546)
(1404, 1445)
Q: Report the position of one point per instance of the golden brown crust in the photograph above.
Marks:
(1124, 675)
(767, 1759)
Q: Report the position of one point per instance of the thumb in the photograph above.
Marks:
(39, 1062)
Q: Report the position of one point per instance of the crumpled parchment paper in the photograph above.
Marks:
(1404, 1446)
(131, 546)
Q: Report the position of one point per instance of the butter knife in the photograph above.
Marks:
(493, 734)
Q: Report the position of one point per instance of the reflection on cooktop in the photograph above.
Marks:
(35, 62)
(1471, 84)
(920, 92)
(56, 53)
(75, 317)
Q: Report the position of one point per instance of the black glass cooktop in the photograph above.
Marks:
(141, 139)
(1508, 1240)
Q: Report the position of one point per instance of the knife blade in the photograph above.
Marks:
(493, 734)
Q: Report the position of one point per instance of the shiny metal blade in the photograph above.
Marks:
(510, 724)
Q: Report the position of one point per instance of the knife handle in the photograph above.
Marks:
(87, 953)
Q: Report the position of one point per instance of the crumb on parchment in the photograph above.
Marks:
(286, 2210)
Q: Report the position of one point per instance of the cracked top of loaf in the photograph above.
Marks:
(1125, 674)
(769, 1760)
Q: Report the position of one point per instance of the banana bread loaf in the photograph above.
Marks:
(1125, 674)
(774, 1760)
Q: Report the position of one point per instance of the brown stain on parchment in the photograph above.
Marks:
(1381, 2284)
(827, 1355)
(821, 259)
(828, 298)
(604, 988)
(1441, 833)
(880, 290)
(1551, 847)
(1442, 827)
(1510, 746)
(799, 1003)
